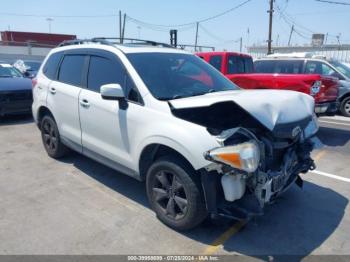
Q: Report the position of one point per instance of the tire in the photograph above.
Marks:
(51, 138)
(345, 107)
(174, 194)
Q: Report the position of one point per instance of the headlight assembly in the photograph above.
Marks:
(245, 156)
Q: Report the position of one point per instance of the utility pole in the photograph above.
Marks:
(196, 41)
(290, 35)
(269, 42)
(326, 38)
(123, 31)
(338, 38)
(240, 44)
(120, 25)
(49, 20)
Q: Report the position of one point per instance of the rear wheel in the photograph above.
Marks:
(345, 107)
(51, 138)
(174, 194)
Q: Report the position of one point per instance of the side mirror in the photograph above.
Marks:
(112, 92)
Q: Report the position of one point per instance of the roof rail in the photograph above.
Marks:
(113, 41)
(83, 41)
(134, 41)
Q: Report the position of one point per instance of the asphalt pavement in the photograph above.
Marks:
(77, 206)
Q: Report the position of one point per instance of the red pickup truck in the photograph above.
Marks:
(239, 68)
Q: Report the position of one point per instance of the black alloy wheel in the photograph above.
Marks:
(51, 138)
(175, 194)
(170, 195)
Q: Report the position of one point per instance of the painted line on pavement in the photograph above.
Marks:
(331, 176)
(334, 123)
(217, 243)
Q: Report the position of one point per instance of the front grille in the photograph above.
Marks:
(16, 96)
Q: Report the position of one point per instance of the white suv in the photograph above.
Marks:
(163, 115)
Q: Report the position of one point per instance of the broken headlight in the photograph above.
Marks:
(245, 156)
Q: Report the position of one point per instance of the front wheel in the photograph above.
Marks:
(345, 107)
(174, 194)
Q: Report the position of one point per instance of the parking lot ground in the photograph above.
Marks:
(77, 206)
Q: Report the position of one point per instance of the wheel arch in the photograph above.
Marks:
(154, 151)
(43, 111)
(344, 96)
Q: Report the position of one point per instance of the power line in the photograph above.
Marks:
(58, 16)
(219, 39)
(194, 22)
(333, 2)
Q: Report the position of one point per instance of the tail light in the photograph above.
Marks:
(34, 82)
(315, 88)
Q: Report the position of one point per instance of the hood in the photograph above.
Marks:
(269, 107)
(15, 84)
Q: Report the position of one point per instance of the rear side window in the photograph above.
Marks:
(264, 66)
(239, 65)
(289, 66)
(216, 61)
(71, 69)
(103, 71)
(51, 65)
(279, 66)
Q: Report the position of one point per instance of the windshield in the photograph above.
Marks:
(9, 71)
(341, 68)
(33, 66)
(170, 75)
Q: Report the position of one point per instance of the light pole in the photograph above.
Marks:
(49, 20)
(139, 31)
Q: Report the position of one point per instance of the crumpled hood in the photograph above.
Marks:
(269, 107)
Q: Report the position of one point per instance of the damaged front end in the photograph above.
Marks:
(265, 139)
(249, 171)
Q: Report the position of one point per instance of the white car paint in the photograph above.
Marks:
(120, 136)
(269, 107)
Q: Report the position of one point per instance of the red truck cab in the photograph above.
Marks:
(239, 68)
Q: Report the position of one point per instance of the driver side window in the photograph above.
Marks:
(316, 67)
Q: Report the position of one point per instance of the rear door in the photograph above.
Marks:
(63, 98)
(44, 78)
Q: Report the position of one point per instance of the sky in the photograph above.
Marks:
(90, 18)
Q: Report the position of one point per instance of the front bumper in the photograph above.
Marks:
(262, 188)
(15, 107)
(328, 108)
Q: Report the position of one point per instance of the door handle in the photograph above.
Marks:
(52, 90)
(84, 103)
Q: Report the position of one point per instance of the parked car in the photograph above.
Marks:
(239, 68)
(28, 68)
(15, 91)
(306, 63)
(202, 145)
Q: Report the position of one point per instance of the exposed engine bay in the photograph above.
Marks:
(254, 164)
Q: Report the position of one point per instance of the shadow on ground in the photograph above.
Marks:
(298, 223)
(333, 137)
